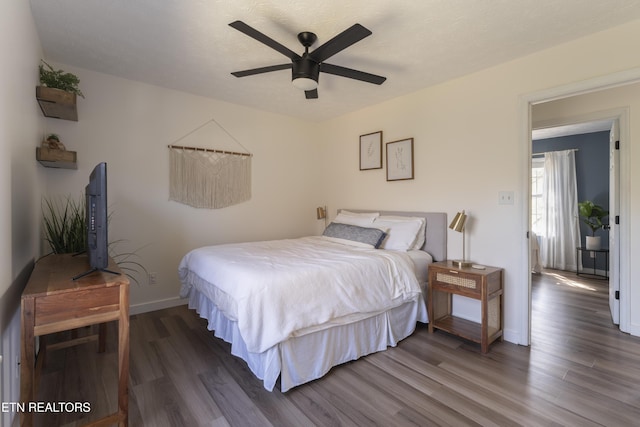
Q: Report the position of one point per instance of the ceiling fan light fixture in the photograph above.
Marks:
(305, 83)
(305, 68)
(304, 73)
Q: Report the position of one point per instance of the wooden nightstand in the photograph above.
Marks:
(485, 285)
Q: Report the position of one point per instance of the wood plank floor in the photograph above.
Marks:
(579, 371)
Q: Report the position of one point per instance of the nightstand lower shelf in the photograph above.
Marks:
(463, 328)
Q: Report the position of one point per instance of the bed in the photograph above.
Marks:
(294, 308)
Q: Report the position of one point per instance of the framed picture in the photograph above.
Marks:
(400, 160)
(371, 151)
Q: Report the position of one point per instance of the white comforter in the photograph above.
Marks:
(275, 288)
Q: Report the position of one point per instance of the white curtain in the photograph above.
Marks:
(561, 224)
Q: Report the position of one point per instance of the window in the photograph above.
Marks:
(537, 201)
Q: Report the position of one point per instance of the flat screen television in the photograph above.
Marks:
(96, 211)
(97, 220)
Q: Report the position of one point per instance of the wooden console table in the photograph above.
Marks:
(53, 302)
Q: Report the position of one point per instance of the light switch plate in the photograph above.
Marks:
(505, 197)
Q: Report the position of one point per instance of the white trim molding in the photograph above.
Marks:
(156, 305)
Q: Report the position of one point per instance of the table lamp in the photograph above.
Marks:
(321, 213)
(458, 225)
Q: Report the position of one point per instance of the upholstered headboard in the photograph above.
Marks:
(435, 231)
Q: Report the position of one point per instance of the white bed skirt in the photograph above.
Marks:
(309, 356)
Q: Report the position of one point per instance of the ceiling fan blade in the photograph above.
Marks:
(261, 70)
(253, 33)
(340, 42)
(311, 94)
(351, 73)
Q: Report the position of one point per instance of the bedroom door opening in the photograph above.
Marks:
(573, 135)
(610, 120)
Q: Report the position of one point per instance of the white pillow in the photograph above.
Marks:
(420, 238)
(364, 219)
(403, 232)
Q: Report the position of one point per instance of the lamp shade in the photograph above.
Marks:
(458, 222)
(321, 212)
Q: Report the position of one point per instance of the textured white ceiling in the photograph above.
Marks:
(187, 44)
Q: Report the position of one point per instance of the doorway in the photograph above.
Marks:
(585, 112)
(605, 124)
(558, 233)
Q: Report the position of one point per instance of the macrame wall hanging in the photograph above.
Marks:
(209, 178)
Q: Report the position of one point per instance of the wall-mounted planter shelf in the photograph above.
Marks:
(57, 103)
(56, 158)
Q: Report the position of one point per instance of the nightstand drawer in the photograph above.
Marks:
(458, 281)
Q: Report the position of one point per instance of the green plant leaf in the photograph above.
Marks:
(592, 215)
(58, 79)
(65, 225)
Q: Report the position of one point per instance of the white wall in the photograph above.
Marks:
(129, 125)
(469, 146)
(20, 185)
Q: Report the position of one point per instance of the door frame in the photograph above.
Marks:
(525, 103)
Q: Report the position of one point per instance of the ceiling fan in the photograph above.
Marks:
(306, 68)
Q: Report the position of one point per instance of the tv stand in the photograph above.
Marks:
(53, 302)
(86, 273)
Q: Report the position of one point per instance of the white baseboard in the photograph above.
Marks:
(512, 336)
(156, 305)
(634, 329)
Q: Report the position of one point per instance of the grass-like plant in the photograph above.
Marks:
(65, 225)
(65, 229)
(128, 262)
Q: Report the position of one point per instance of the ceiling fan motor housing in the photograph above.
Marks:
(305, 67)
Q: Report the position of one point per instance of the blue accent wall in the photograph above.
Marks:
(592, 176)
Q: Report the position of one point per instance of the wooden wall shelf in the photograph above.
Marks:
(57, 103)
(57, 158)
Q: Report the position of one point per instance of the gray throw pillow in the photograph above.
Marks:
(370, 236)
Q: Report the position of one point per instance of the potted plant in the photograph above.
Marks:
(58, 79)
(53, 142)
(57, 93)
(592, 216)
